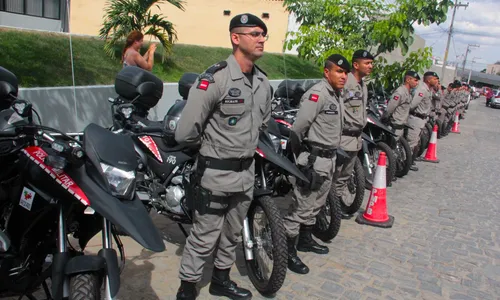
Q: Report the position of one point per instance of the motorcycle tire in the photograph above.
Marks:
(324, 229)
(403, 164)
(357, 182)
(390, 165)
(424, 140)
(275, 230)
(85, 286)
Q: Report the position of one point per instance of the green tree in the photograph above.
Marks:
(124, 16)
(343, 26)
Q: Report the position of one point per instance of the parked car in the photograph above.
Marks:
(495, 100)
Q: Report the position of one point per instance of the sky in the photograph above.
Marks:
(478, 24)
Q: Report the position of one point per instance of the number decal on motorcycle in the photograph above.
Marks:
(171, 160)
(27, 198)
(38, 155)
(151, 145)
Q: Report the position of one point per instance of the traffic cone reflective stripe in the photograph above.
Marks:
(431, 154)
(376, 209)
(456, 123)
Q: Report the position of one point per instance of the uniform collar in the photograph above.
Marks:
(328, 86)
(235, 69)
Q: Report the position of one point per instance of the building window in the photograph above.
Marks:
(50, 9)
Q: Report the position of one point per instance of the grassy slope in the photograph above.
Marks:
(43, 59)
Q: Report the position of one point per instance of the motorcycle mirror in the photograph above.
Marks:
(22, 107)
(126, 110)
(111, 100)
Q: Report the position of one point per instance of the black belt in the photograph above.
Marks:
(398, 126)
(228, 164)
(320, 151)
(352, 133)
(421, 116)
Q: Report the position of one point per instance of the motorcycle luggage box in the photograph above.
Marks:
(290, 89)
(128, 85)
(9, 84)
(185, 83)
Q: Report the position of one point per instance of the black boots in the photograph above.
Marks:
(307, 243)
(294, 262)
(187, 291)
(221, 285)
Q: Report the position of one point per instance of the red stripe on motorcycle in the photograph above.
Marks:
(38, 155)
(284, 123)
(150, 143)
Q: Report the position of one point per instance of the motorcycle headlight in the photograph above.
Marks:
(276, 142)
(120, 182)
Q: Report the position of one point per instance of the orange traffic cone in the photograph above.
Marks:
(455, 128)
(376, 209)
(431, 154)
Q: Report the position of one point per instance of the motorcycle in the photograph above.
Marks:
(54, 187)
(167, 168)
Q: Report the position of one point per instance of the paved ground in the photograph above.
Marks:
(445, 243)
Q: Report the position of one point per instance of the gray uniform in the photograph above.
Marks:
(355, 101)
(398, 109)
(445, 104)
(318, 125)
(224, 111)
(435, 103)
(419, 111)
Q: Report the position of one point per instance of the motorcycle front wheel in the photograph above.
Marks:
(403, 157)
(267, 269)
(85, 286)
(328, 219)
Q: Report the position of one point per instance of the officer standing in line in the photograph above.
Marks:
(446, 108)
(315, 136)
(419, 110)
(226, 107)
(355, 103)
(436, 100)
(398, 108)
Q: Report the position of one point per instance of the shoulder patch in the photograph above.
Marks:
(396, 97)
(209, 73)
(420, 94)
(260, 70)
(314, 97)
(203, 84)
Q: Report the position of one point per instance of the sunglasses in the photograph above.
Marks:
(255, 34)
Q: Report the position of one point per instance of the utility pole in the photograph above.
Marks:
(466, 53)
(455, 6)
(470, 71)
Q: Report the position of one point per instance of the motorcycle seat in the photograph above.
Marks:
(4, 242)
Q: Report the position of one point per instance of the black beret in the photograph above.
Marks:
(412, 74)
(430, 73)
(247, 20)
(340, 61)
(363, 54)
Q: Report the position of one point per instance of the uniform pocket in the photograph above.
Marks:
(354, 103)
(232, 109)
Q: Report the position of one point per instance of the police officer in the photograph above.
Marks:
(226, 107)
(355, 102)
(315, 136)
(398, 107)
(446, 108)
(419, 110)
(436, 100)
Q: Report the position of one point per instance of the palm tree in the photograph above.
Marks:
(124, 16)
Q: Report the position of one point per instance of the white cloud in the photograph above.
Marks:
(478, 24)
